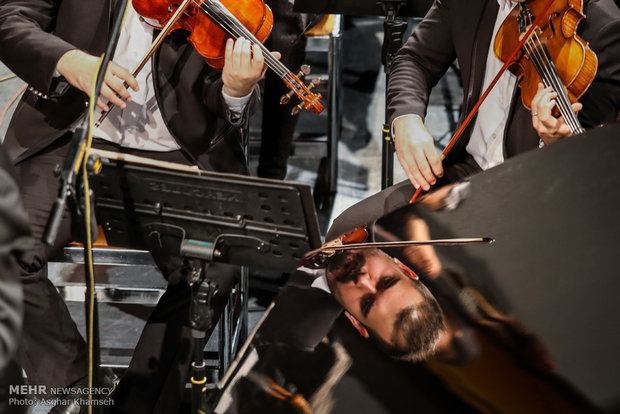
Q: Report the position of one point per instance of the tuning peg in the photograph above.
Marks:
(297, 109)
(304, 70)
(284, 99)
(314, 83)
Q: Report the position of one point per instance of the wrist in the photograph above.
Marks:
(65, 61)
(405, 126)
(405, 122)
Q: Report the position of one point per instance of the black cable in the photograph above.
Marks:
(107, 56)
(92, 359)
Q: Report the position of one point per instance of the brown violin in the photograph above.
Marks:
(211, 23)
(553, 54)
(538, 42)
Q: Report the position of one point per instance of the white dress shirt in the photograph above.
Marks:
(486, 141)
(140, 125)
(320, 277)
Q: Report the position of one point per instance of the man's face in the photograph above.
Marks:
(375, 290)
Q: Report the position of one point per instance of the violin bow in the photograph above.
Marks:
(156, 43)
(330, 248)
(483, 97)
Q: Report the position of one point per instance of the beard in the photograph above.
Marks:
(421, 329)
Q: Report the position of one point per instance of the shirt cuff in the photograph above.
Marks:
(235, 104)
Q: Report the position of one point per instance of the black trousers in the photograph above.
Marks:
(52, 351)
(278, 125)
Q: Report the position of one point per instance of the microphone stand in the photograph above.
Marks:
(67, 176)
(69, 191)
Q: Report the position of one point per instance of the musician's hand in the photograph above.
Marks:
(80, 70)
(244, 66)
(423, 257)
(416, 151)
(549, 128)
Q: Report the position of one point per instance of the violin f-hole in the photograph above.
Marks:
(187, 12)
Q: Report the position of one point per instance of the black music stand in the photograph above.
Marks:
(203, 217)
(394, 28)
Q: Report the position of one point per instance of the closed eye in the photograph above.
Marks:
(368, 300)
(366, 303)
(387, 282)
(356, 276)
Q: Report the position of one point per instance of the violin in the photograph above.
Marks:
(539, 43)
(553, 54)
(211, 23)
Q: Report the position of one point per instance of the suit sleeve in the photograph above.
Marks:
(420, 63)
(214, 100)
(14, 239)
(26, 45)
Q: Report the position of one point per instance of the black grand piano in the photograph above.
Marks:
(536, 311)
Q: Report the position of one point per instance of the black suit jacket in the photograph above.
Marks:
(462, 30)
(14, 239)
(188, 91)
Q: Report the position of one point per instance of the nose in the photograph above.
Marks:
(365, 282)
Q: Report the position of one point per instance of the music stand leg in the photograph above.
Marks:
(334, 115)
(201, 320)
(393, 30)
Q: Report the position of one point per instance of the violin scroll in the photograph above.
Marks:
(328, 249)
(310, 101)
(304, 70)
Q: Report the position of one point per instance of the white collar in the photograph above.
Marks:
(320, 279)
(507, 3)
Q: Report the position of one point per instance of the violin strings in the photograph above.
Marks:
(563, 101)
(548, 72)
(571, 117)
(235, 28)
(545, 68)
(229, 22)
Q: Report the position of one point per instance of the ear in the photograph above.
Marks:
(357, 324)
(406, 270)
